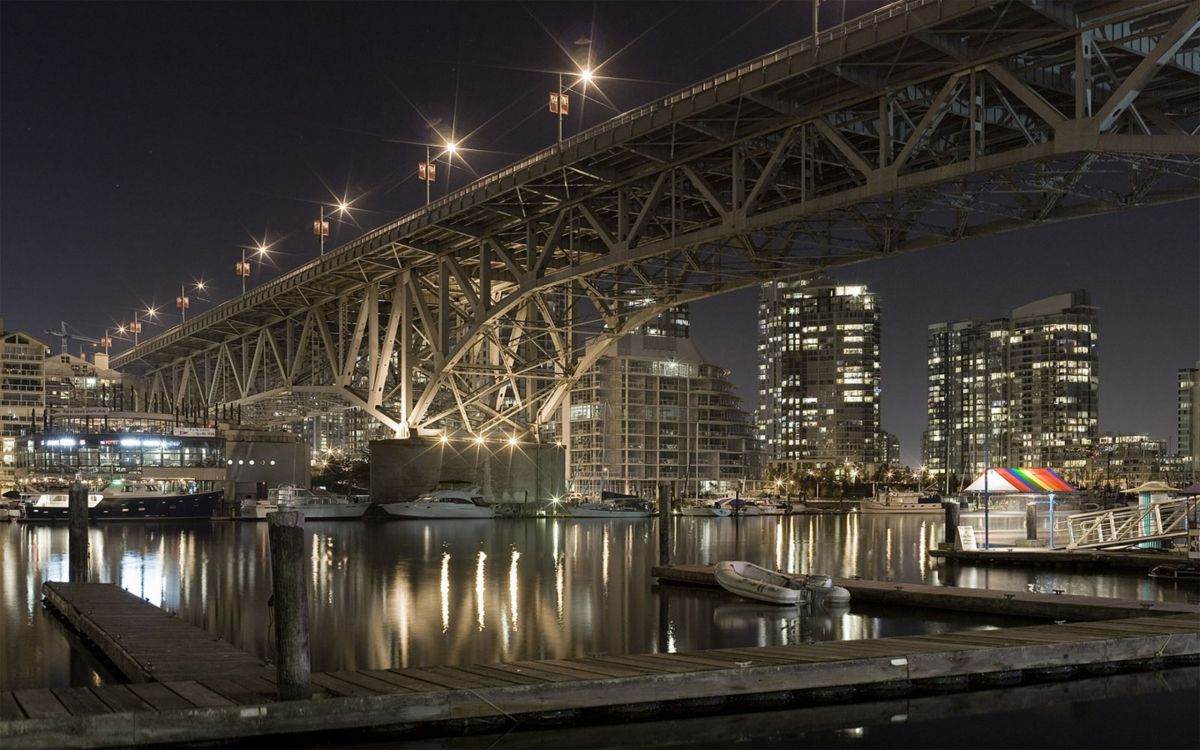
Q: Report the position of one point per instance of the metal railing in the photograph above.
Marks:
(1124, 527)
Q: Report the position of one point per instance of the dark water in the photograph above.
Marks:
(412, 593)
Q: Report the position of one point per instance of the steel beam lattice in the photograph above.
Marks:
(920, 125)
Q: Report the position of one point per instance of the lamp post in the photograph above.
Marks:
(321, 225)
(427, 170)
(182, 302)
(135, 328)
(560, 102)
(242, 269)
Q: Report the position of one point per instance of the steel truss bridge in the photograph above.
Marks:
(922, 124)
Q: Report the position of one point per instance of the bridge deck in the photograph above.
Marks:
(240, 705)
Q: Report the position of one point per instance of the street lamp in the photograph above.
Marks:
(242, 267)
(560, 103)
(135, 328)
(427, 170)
(183, 303)
(321, 225)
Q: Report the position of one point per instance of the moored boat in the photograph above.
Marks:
(704, 509)
(901, 502)
(626, 507)
(126, 499)
(443, 503)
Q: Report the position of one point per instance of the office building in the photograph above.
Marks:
(1187, 441)
(22, 395)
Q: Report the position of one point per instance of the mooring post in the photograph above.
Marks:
(77, 515)
(952, 508)
(293, 665)
(664, 525)
(1031, 522)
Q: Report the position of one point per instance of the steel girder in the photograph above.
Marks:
(921, 125)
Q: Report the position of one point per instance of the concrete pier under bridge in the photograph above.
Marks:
(505, 472)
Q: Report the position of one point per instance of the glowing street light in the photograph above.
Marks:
(321, 225)
(560, 103)
(105, 341)
(427, 170)
(183, 303)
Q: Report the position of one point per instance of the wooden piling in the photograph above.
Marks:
(285, 532)
(664, 525)
(952, 509)
(1031, 521)
(77, 514)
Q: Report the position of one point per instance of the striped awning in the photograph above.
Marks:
(1002, 480)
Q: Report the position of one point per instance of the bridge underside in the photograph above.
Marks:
(930, 124)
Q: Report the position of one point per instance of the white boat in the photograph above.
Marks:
(624, 508)
(315, 505)
(758, 583)
(704, 509)
(127, 498)
(443, 503)
(746, 507)
(901, 502)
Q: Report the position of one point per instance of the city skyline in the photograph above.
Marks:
(93, 172)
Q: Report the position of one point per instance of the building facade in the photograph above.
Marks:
(1019, 391)
(1187, 440)
(1123, 460)
(653, 413)
(818, 378)
(22, 396)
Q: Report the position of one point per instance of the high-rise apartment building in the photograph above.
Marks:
(1020, 391)
(22, 395)
(652, 412)
(818, 377)
(1187, 441)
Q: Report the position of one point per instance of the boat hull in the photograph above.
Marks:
(706, 512)
(596, 513)
(199, 507)
(437, 510)
(870, 506)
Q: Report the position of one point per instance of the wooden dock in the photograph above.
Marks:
(1132, 560)
(237, 705)
(985, 601)
(145, 643)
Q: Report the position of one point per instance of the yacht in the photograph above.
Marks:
(126, 499)
(315, 506)
(746, 507)
(443, 503)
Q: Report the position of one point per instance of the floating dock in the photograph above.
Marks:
(1142, 560)
(1046, 606)
(238, 706)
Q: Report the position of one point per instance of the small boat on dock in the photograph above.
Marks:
(762, 584)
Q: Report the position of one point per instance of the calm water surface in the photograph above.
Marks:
(414, 593)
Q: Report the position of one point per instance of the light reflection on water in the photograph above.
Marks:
(500, 590)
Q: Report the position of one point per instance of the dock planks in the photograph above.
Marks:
(986, 601)
(213, 708)
(144, 642)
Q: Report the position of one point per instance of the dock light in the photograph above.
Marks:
(444, 439)
(512, 442)
(479, 440)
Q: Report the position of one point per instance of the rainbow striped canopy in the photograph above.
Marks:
(1001, 480)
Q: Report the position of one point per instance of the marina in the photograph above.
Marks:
(201, 707)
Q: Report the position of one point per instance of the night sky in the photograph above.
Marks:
(142, 145)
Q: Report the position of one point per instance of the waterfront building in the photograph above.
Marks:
(889, 449)
(1020, 391)
(22, 395)
(652, 412)
(1124, 460)
(1187, 445)
(818, 378)
(74, 382)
